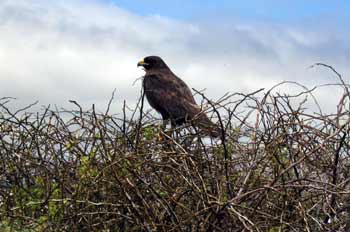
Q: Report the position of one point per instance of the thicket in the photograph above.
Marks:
(276, 167)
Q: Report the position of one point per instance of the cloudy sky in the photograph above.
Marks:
(55, 51)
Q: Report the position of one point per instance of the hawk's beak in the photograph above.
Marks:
(141, 63)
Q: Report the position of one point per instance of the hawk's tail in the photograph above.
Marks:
(208, 127)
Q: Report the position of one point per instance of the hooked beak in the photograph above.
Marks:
(142, 63)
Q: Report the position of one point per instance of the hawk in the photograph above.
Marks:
(172, 98)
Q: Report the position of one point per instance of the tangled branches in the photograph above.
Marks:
(278, 168)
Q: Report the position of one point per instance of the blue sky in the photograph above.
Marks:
(222, 46)
(274, 10)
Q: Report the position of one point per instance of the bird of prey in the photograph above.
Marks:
(172, 98)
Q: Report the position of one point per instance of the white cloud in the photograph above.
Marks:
(54, 51)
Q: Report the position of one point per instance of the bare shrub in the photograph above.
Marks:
(277, 167)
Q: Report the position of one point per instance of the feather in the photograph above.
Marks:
(172, 98)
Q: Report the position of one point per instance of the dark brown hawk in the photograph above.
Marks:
(171, 97)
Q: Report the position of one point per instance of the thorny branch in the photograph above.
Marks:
(277, 167)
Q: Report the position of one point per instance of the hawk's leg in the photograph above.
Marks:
(163, 126)
(175, 131)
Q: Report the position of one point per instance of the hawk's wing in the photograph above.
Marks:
(172, 98)
(168, 94)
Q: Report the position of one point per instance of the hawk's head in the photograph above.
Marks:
(152, 62)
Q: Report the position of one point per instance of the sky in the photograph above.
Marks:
(273, 10)
(56, 51)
